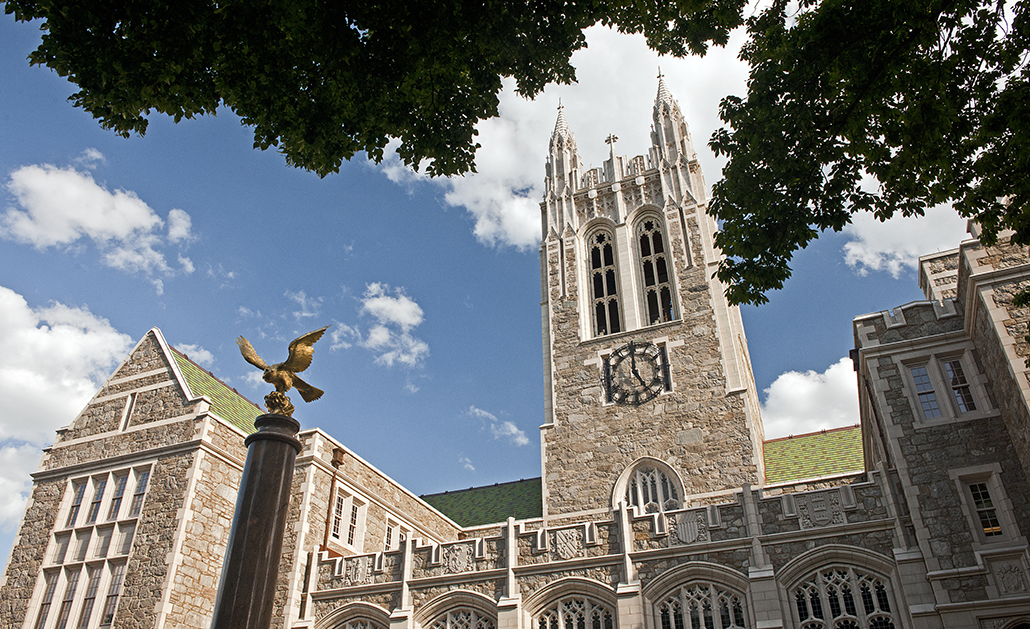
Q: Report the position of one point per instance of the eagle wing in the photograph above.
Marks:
(301, 351)
(249, 354)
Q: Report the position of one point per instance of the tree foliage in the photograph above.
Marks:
(887, 106)
(321, 80)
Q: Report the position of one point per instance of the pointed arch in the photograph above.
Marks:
(356, 615)
(567, 586)
(837, 585)
(458, 601)
(697, 595)
(649, 484)
(602, 271)
(655, 267)
(573, 603)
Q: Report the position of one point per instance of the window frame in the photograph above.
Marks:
(990, 476)
(347, 518)
(640, 266)
(935, 365)
(616, 296)
(75, 548)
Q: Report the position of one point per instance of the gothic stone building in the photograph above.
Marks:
(656, 507)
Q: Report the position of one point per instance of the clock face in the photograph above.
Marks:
(633, 374)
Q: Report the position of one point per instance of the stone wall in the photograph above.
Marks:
(203, 544)
(147, 570)
(30, 545)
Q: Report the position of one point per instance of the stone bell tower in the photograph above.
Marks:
(646, 366)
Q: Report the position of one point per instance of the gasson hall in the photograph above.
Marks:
(660, 505)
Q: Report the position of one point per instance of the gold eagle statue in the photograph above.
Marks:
(284, 375)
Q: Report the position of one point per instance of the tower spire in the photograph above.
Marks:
(664, 95)
(561, 127)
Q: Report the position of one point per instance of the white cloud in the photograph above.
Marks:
(17, 461)
(611, 96)
(798, 403)
(309, 306)
(895, 245)
(499, 428)
(197, 354)
(90, 158)
(52, 360)
(179, 226)
(390, 338)
(466, 463)
(343, 336)
(398, 309)
(58, 207)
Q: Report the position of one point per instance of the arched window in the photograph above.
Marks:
(655, 268)
(652, 490)
(843, 598)
(576, 612)
(703, 606)
(360, 623)
(604, 284)
(462, 618)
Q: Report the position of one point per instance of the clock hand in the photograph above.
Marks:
(637, 374)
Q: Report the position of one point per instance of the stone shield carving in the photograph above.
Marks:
(359, 571)
(458, 558)
(821, 509)
(688, 528)
(1010, 578)
(567, 542)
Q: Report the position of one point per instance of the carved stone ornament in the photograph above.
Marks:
(458, 558)
(1010, 578)
(359, 570)
(817, 510)
(687, 528)
(568, 542)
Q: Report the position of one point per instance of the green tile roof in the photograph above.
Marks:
(835, 451)
(225, 401)
(520, 499)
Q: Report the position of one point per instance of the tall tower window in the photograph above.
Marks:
(604, 284)
(655, 268)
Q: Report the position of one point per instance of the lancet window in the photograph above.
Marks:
(604, 284)
(463, 618)
(652, 490)
(576, 612)
(703, 606)
(654, 265)
(843, 598)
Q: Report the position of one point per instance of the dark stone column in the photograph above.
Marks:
(247, 587)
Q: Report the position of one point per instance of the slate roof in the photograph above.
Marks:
(225, 401)
(490, 504)
(825, 453)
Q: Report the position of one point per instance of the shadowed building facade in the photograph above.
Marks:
(660, 504)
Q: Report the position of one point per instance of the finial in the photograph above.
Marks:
(560, 126)
(664, 96)
(611, 139)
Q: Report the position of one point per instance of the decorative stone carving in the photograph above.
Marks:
(822, 509)
(458, 558)
(687, 528)
(359, 570)
(1010, 578)
(568, 542)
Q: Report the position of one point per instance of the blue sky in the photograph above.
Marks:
(432, 367)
